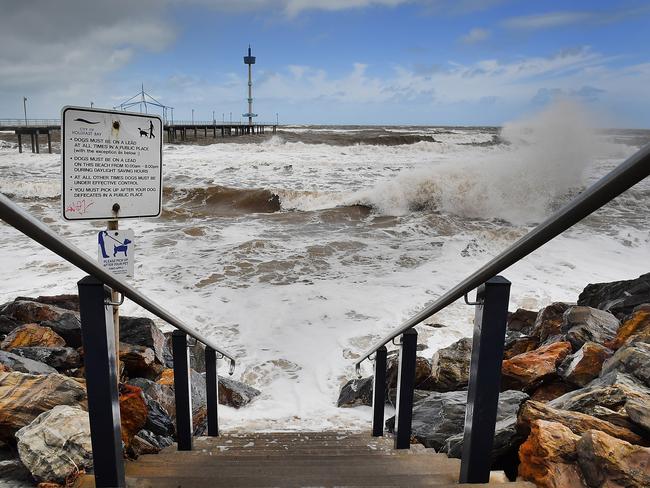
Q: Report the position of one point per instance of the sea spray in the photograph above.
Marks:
(546, 158)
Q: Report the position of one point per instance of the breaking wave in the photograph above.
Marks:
(218, 201)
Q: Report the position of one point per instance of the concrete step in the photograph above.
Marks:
(294, 459)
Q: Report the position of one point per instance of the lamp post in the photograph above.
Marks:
(192, 116)
(214, 121)
(25, 108)
(277, 119)
(92, 104)
(172, 115)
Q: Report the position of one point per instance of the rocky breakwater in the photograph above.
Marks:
(574, 407)
(44, 423)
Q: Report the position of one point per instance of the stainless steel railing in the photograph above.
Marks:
(15, 216)
(626, 175)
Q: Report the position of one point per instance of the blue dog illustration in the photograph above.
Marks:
(121, 248)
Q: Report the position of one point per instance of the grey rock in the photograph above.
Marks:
(60, 358)
(146, 442)
(450, 366)
(56, 444)
(158, 421)
(633, 359)
(68, 326)
(356, 392)
(639, 414)
(522, 320)
(162, 394)
(441, 415)
(7, 324)
(13, 470)
(586, 324)
(142, 331)
(68, 302)
(24, 365)
(507, 439)
(617, 297)
(235, 393)
(611, 391)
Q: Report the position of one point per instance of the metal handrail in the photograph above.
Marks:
(18, 218)
(626, 175)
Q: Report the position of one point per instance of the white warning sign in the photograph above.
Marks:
(115, 250)
(112, 162)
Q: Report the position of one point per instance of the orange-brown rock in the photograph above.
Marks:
(585, 364)
(166, 378)
(133, 412)
(549, 320)
(32, 335)
(635, 328)
(551, 391)
(607, 461)
(4, 368)
(548, 457)
(521, 320)
(526, 371)
(23, 397)
(579, 423)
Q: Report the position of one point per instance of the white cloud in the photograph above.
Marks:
(547, 20)
(475, 35)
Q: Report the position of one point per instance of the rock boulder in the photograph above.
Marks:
(24, 365)
(133, 412)
(634, 328)
(586, 324)
(579, 423)
(548, 321)
(608, 461)
(441, 415)
(584, 365)
(140, 361)
(522, 320)
(141, 331)
(526, 371)
(356, 392)
(60, 358)
(23, 397)
(32, 335)
(633, 359)
(56, 445)
(450, 366)
(617, 297)
(548, 457)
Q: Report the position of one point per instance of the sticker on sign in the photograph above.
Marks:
(111, 161)
(115, 249)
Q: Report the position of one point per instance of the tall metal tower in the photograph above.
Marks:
(250, 61)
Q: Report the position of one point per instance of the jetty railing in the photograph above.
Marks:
(29, 122)
(99, 342)
(489, 327)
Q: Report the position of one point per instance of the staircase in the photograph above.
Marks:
(297, 459)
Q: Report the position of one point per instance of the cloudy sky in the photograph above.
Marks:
(331, 61)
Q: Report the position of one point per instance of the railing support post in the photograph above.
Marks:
(485, 380)
(212, 391)
(100, 366)
(182, 391)
(379, 393)
(405, 387)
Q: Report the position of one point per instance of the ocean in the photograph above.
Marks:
(297, 250)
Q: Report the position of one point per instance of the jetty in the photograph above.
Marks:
(179, 131)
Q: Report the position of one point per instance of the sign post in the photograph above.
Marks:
(112, 168)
